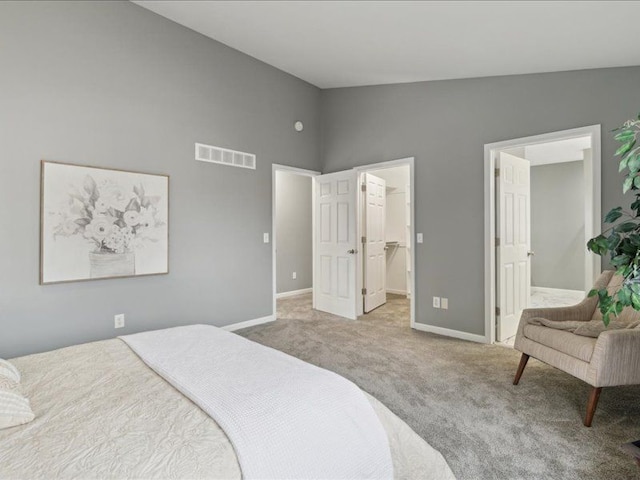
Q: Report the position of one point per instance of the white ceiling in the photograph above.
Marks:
(351, 43)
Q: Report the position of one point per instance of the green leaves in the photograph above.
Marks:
(622, 241)
(613, 241)
(613, 215)
(623, 149)
(635, 301)
(632, 162)
(620, 260)
(624, 296)
(625, 136)
(629, 154)
(598, 245)
(606, 305)
(625, 227)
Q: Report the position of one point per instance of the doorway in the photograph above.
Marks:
(385, 257)
(542, 204)
(337, 249)
(399, 256)
(292, 242)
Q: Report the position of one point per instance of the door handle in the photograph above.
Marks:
(531, 253)
(353, 251)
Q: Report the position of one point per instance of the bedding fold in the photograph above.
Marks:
(284, 417)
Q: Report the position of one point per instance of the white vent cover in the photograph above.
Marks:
(224, 156)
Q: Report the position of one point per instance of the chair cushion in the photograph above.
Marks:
(566, 342)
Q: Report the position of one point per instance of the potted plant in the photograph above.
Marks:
(622, 239)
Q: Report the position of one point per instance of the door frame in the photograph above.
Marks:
(360, 170)
(592, 227)
(275, 167)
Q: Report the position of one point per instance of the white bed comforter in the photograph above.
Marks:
(101, 413)
(287, 419)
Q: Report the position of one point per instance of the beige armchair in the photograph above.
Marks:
(610, 360)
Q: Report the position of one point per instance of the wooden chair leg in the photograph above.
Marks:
(523, 363)
(591, 406)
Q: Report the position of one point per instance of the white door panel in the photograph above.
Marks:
(375, 265)
(335, 205)
(513, 229)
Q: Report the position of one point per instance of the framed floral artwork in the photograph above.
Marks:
(101, 223)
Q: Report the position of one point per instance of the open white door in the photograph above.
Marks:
(375, 258)
(512, 243)
(335, 248)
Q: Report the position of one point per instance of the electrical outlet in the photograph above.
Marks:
(265, 237)
(444, 303)
(294, 275)
(118, 320)
(419, 238)
(436, 302)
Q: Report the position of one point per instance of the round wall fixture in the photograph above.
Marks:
(298, 126)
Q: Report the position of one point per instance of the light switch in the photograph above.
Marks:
(436, 302)
(419, 238)
(265, 237)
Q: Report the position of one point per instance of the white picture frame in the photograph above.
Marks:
(98, 223)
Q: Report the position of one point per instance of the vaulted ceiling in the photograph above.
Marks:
(352, 43)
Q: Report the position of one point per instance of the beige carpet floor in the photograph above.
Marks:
(395, 313)
(458, 395)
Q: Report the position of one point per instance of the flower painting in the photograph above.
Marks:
(101, 223)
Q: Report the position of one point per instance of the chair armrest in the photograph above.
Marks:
(616, 359)
(581, 312)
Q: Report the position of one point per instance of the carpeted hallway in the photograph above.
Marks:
(396, 312)
(458, 396)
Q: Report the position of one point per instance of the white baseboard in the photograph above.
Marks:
(397, 292)
(249, 323)
(293, 293)
(447, 332)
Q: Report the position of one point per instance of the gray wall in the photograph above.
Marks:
(111, 84)
(557, 225)
(445, 125)
(293, 231)
(114, 85)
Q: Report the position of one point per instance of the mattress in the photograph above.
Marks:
(102, 413)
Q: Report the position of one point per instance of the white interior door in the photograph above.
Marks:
(335, 249)
(513, 242)
(375, 264)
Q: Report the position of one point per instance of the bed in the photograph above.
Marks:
(101, 412)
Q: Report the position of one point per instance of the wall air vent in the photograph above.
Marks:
(224, 156)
